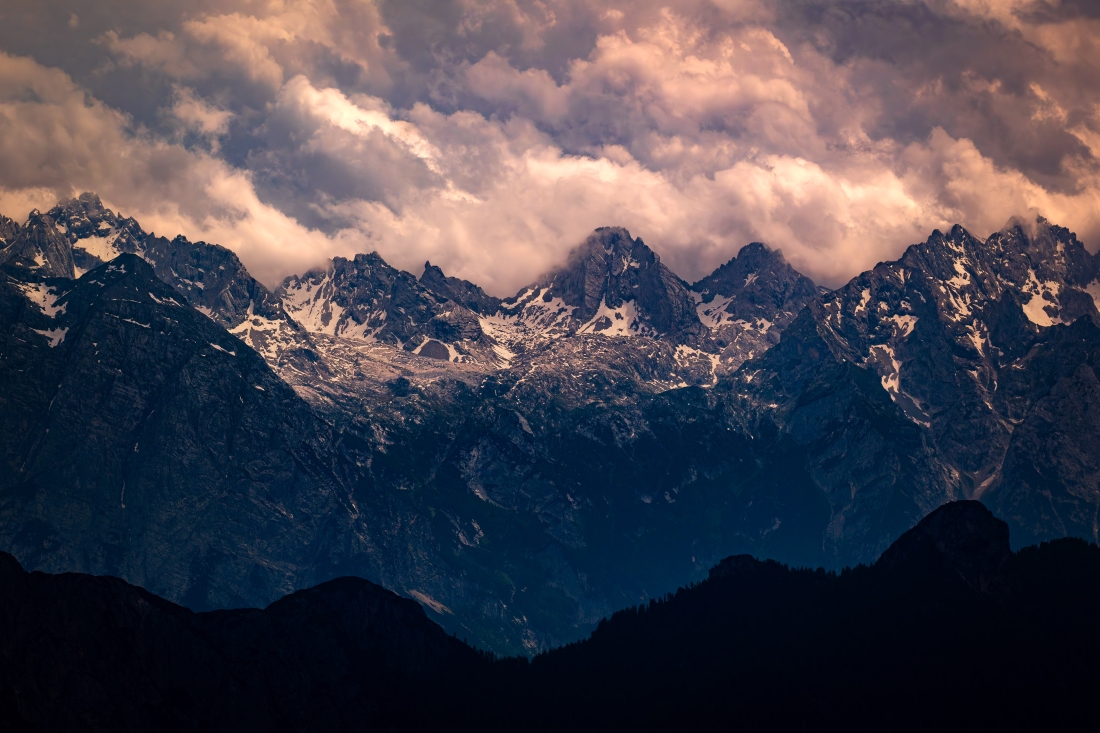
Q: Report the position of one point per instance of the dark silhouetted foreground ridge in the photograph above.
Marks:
(949, 629)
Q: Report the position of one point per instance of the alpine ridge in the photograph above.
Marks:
(524, 465)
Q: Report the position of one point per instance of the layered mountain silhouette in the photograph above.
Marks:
(949, 628)
(524, 466)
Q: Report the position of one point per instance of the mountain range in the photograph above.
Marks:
(949, 628)
(524, 466)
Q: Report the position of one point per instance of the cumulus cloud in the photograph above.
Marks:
(198, 115)
(490, 136)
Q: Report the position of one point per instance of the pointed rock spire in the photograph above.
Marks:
(463, 292)
(39, 246)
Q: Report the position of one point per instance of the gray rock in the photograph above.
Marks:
(38, 246)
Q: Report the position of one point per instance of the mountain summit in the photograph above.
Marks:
(617, 285)
(750, 300)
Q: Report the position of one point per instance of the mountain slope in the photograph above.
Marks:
(142, 440)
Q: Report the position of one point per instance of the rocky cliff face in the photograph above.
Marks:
(143, 440)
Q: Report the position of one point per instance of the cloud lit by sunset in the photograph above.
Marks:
(490, 136)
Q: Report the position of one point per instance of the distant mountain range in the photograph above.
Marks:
(524, 466)
(948, 629)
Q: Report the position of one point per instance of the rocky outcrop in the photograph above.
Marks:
(366, 299)
(39, 247)
(463, 292)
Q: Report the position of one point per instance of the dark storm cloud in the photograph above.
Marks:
(930, 67)
(461, 130)
(308, 162)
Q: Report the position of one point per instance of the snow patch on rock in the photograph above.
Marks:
(44, 297)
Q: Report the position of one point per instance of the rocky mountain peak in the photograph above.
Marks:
(80, 234)
(1053, 252)
(81, 214)
(463, 292)
(614, 284)
(39, 246)
(981, 299)
(210, 276)
(757, 283)
(365, 298)
(94, 232)
(1046, 266)
(607, 268)
(8, 229)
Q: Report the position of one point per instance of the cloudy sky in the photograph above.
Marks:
(490, 136)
